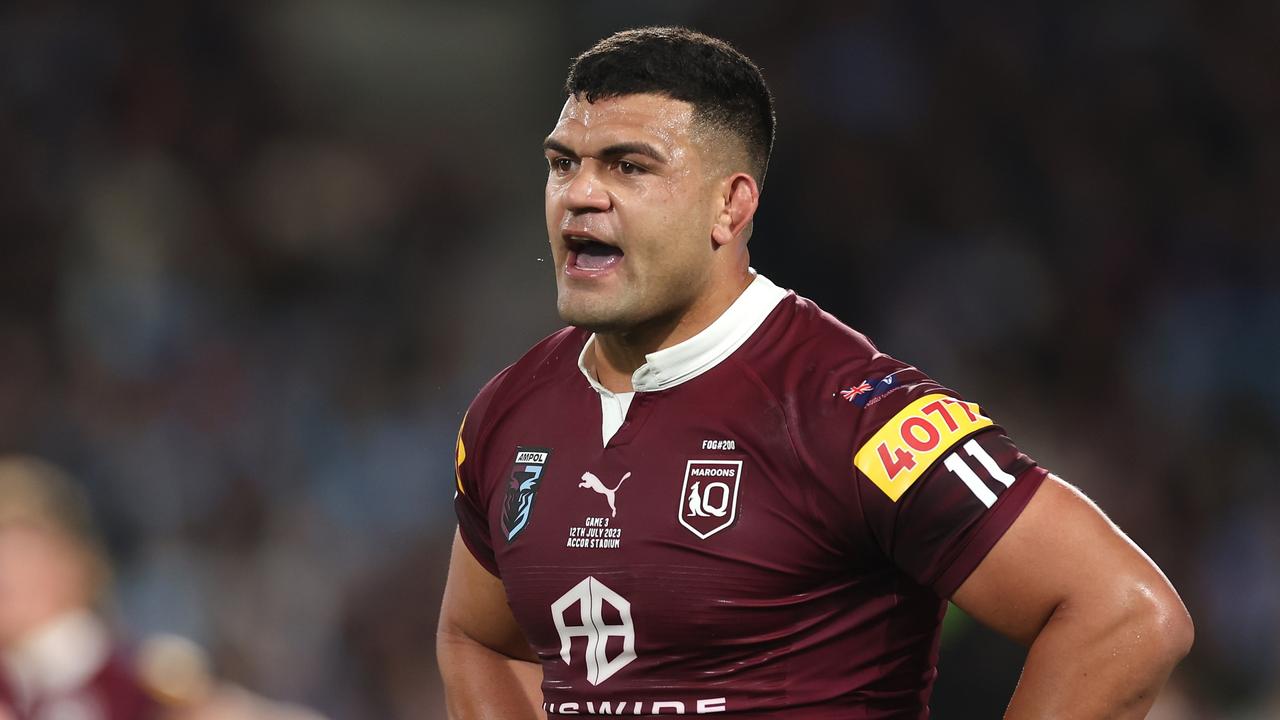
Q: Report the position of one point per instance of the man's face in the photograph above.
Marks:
(630, 201)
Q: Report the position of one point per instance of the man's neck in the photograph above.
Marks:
(614, 357)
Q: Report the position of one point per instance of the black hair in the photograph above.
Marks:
(725, 88)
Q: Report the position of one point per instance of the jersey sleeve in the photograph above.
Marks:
(939, 481)
(471, 495)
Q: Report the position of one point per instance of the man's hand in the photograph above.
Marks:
(489, 671)
(1104, 625)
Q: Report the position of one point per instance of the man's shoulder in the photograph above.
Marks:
(829, 379)
(553, 354)
(551, 359)
(801, 343)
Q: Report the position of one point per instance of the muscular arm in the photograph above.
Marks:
(489, 671)
(1104, 625)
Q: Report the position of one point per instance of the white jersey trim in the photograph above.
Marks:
(687, 360)
(57, 657)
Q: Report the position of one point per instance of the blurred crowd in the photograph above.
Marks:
(255, 258)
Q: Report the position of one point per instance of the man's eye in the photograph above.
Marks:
(561, 164)
(627, 168)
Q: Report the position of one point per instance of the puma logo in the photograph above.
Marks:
(589, 480)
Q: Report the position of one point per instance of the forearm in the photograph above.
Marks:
(1081, 666)
(482, 684)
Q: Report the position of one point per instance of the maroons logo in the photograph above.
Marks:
(522, 489)
(709, 496)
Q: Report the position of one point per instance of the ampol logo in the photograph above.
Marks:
(522, 489)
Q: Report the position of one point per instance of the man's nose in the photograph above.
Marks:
(587, 191)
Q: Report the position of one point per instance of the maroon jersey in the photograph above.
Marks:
(770, 527)
(70, 670)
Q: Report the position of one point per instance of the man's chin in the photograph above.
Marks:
(602, 326)
(593, 319)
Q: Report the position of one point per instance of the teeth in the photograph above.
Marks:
(577, 242)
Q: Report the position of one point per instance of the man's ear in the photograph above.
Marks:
(740, 196)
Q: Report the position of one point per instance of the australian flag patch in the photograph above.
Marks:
(522, 489)
(871, 389)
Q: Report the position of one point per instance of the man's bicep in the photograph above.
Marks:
(1060, 554)
(475, 607)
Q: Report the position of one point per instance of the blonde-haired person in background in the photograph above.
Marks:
(58, 658)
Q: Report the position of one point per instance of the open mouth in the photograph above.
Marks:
(589, 256)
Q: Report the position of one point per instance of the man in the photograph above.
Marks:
(57, 658)
(708, 496)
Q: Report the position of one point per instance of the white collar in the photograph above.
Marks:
(686, 360)
(62, 654)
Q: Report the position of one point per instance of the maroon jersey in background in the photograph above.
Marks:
(769, 525)
(69, 669)
(113, 693)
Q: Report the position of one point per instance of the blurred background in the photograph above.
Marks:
(256, 257)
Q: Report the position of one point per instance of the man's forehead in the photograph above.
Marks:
(657, 116)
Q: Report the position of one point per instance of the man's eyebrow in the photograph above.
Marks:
(610, 152)
(618, 150)
(559, 147)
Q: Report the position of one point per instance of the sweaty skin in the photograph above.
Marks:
(640, 174)
(1103, 624)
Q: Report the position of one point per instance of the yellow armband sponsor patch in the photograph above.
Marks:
(460, 454)
(903, 448)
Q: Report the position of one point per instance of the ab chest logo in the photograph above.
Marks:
(522, 488)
